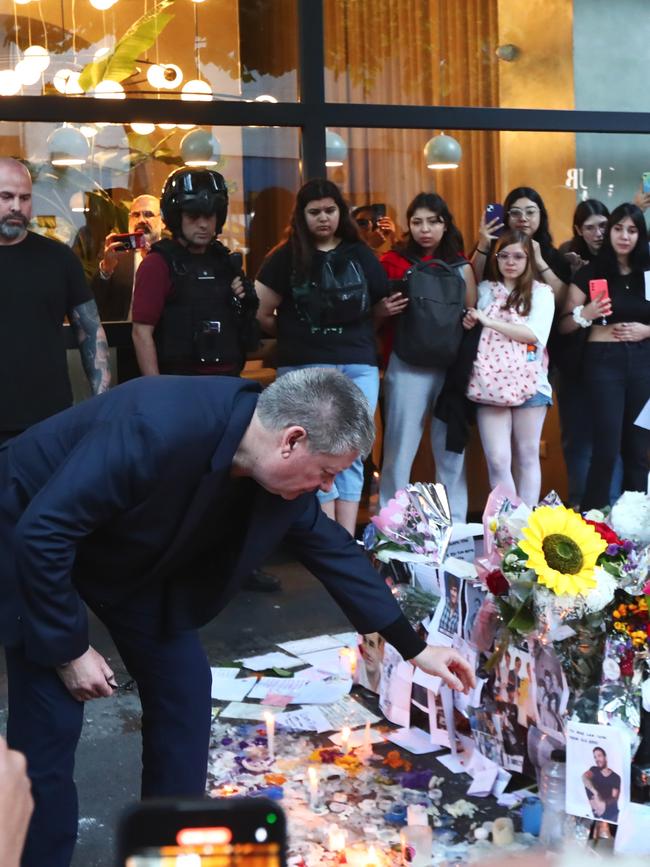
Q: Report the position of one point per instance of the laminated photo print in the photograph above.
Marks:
(441, 719)
(598, 771)
(446, 622)
(514, 683)
(395, 687)
(473, 597)
(370, 659)
(550, 690)
(498, 735)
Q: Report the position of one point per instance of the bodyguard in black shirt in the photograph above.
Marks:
(42, 283)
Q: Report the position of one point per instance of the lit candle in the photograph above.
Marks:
(312, 773)
(347, 661)
(270, 734)
(345, 738)
(373, 857)
(336, 839)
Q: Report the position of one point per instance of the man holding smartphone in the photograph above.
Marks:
(150, 505)
(113, 283)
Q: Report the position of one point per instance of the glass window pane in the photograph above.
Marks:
(81, 204)
(237, 50)
(502, 53)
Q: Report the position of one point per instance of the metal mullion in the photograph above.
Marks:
(311, 40)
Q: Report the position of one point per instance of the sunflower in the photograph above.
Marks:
(562, 550)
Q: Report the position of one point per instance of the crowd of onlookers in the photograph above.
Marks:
(540, 321)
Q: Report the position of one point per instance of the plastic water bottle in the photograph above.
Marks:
(552, 790)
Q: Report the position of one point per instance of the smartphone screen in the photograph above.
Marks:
(598, 289)
(225, 832)
(645, 182)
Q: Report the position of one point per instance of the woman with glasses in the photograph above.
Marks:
(616, 367)
(318, 291)
(520, 308)
(525, 212)
(589, 227)
(410, 392)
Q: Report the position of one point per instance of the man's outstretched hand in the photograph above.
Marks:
(448, 664)
(88, 676)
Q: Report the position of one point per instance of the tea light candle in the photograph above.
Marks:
(270, 734)
(347, 661)
(336, 839)
(345, 738)
(503, 832)
(358, 855)
(366, 745)
(312, 773)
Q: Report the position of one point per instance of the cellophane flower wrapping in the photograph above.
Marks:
(415, 526)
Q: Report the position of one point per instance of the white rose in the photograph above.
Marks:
(630, 517)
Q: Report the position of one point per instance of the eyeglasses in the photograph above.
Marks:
(517, 213)
(515, 257)
(146, 215)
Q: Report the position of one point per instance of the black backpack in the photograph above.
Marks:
(338, 295)
(428, 333)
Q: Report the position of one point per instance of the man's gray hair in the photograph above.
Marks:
(327, 404)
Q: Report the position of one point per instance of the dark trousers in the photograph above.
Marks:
(617, 378)
(173, 677)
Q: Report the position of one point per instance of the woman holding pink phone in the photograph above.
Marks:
(608, 297)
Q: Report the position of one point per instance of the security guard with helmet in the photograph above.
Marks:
(193, 308)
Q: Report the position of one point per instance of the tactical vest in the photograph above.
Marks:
(200, 323)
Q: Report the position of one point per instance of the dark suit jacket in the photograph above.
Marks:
(113, 296)
(112, 501)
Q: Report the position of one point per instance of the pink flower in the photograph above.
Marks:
(646, 588)
(390, 516)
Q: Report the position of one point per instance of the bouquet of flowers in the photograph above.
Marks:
(414, 527)
(560, 581)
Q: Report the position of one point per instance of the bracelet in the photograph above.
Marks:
(544, 270)
(579, 318)
(482, 252)
(103, 274)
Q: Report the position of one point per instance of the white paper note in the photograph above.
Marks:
(414, 740)
(242, 710)
(309, 645)
(325, 660)
(224, 672)
(323, 691)
(357, 738)
(277, 685)
(275, 659)
(231, 689)
(347, 712)
(307, 719)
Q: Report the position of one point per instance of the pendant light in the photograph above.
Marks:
(442, 152)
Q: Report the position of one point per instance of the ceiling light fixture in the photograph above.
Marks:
(200, 149)
(336, 150)
(442, 152)
(68, 146)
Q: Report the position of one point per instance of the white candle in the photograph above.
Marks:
(503, 831)
(367, 746)
(312, 773)
(270, 734)
(337, 839)
(345, 738)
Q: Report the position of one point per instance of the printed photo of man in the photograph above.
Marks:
(449, 619)
(603, 786)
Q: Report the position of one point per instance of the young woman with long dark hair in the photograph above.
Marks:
(318, 290)
(522, 311)
(616, 368)
(410, 391)
(589, 227)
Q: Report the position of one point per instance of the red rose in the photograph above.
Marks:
(497, 582)
(605, 532)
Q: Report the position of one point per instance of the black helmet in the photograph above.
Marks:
(197, 191)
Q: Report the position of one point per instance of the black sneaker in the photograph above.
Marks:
(262, 582)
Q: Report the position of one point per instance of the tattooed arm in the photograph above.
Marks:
(93, 345)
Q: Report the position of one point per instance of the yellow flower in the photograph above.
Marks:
(562, 549)
(620, 627)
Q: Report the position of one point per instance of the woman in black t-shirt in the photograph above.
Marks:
(616, 366)
(589, 228)
(317, 292)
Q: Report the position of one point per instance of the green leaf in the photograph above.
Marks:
(282, 672)
(524, 619)
(137, 40)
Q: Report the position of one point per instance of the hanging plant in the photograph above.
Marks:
(138, 39)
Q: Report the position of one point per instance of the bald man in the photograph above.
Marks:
(42, 283)
(113, 283)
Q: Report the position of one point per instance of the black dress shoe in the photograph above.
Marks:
(262, 582)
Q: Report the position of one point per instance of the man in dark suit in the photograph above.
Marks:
(112, 285)
(149, 505)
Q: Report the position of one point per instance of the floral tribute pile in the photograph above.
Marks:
(578, 582)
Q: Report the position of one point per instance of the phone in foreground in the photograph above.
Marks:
(130, 240)
(645, 183)
(378, 212)
(494, 211)
(219, 832)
